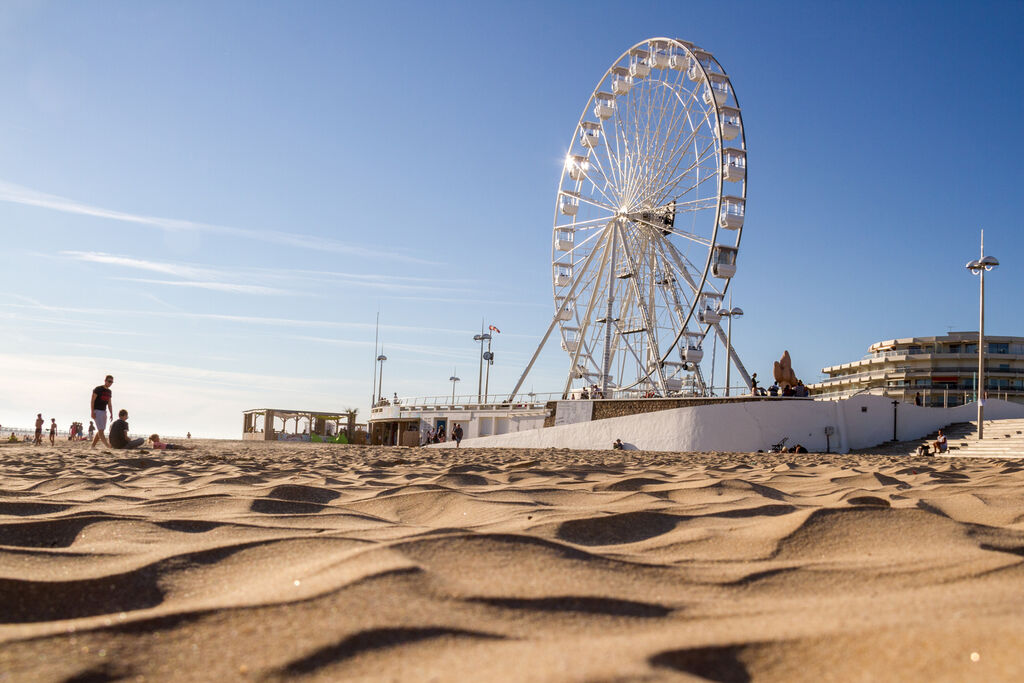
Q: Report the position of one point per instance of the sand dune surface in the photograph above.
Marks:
(261, 561)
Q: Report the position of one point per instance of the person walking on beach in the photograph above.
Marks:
(92, 430)
(457, 435)
(101, 405)
(39, 430)
(119, 433)
(53, 431)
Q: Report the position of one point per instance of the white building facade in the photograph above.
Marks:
(937, 371)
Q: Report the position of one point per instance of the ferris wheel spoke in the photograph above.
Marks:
(680, 146)
(670, 186)
(657, 143)
(580, 226)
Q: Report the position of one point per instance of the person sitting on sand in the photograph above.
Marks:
(13, 437)
(798, 449)
(617, 445)
(940, 445)
(161, 446)
(119, 433)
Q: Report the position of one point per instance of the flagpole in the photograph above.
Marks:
(373, 386)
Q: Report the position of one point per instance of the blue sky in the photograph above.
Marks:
(213, 200)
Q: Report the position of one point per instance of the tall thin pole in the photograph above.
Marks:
(487, 377)
(380, 378)
(376, 338)
(606, 365)
(981, 348)
(480, 374)
(728, 350)
(714, 352)
(728, 364)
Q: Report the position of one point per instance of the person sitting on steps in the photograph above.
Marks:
(940, 445)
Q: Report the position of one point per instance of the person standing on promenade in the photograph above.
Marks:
(39, 430)
(100, 404)
(53, 431)
(457, 435)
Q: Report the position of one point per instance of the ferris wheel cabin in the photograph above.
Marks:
(590, 135)
(717, 90)
(733, 210)
(578, 166)
(604, 108)
(731, 122)
(621, 80)
(701, 58)
(639, 67)
(709, 307)
(734, 164)
(723, 262)
(693, 353)
(570, 203)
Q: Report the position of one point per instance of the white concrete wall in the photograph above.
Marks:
(753, 425)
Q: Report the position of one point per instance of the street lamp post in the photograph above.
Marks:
(730, 313)
(380, 375)
(979, 267)
(489, 357)
(480, 375)
(453, 379)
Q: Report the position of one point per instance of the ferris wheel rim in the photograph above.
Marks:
(701, 285)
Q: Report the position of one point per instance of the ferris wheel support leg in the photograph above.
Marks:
(606, 365)
(582, 334)
(732, 355)
(644, 314)
(551, 327)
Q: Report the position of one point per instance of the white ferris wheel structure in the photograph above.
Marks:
(648, 219)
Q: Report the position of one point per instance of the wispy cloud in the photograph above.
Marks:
(215, 278)
(181, 270)
(241, 319)
(214, 286)
(17, 194)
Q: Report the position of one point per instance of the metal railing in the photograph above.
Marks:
(498, 401)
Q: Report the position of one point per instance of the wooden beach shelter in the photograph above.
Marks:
(274, 424)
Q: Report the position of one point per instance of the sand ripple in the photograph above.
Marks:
(263, 561)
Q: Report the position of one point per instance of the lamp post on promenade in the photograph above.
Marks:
(380, 375)
(480, 376)
(730, 313)
(979, 267)
(453, 379)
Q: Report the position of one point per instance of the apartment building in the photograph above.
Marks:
(941, 370)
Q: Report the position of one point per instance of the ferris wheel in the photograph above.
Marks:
(648, 218)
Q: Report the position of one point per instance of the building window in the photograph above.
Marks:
(998, 348)
(954, 348)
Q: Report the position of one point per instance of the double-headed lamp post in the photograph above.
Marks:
(730, 313)
(979, 267)
(480, 378)
(380, 376)
(453, 379)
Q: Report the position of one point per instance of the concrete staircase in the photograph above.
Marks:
(1003, 439)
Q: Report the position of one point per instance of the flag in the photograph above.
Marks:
(492, 328)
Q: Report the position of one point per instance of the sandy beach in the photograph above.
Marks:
(256, 561)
